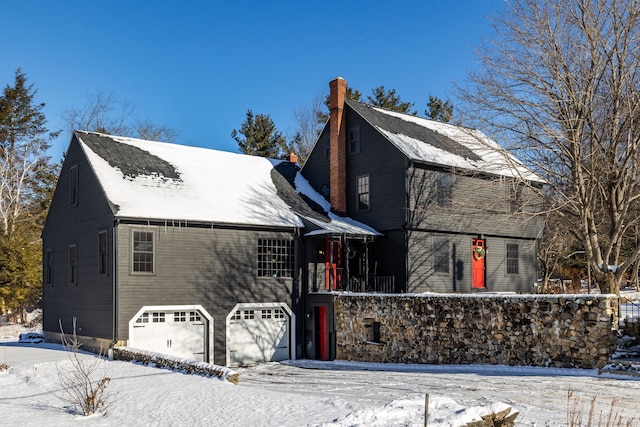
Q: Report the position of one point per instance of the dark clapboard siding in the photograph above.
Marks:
(213, 267)
(91, 300)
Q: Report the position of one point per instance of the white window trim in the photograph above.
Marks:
(153, 231)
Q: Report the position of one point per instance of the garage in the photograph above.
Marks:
(260, 333)
(179, 331)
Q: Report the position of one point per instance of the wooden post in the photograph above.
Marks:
(426, 409)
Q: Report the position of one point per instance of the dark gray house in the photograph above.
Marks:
(187, 251)
(233, 259)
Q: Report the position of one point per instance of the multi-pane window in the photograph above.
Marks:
(441, 256)
(512, 258)
(363, 193)
(158, 317)
(275, 258)
(73, 186)
(142, 252)
(179, 316)
(73, 265)
(48, 268)
(353, 139)
(443, 190)
(144, 318)
(102, 253)
(194, 316)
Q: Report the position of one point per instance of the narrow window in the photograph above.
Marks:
(363, 193)
(142, 252)
(73, 265)
(102, 253)
(275, 258)
(512, 258)
(515, 197)
(48, 270)
(441, 256)
(73, 186)
(327, 148)
(443, 190)
(353, 138)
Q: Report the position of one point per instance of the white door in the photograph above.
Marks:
(258, 334)
(179, 333)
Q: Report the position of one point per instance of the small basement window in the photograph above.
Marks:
(373, 331)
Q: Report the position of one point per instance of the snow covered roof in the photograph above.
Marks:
(161, 181)
(443, 144)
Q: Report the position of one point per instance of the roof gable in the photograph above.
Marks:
(160, 181)
(443, 144)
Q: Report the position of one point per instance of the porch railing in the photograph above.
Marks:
(381, 284)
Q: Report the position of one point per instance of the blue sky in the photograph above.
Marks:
(197, 66)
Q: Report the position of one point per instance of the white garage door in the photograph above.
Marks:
(175, 331)
(259, 333)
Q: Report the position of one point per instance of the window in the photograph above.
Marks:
(157, 317)
(443, 190)
(515, 197)
(142, 252)
(73, 265)
(441, 256)
(275, 258)
(327, 148)
(373, 333)
(73, 187)
(363, 193)
(48, 268)
(179, 316)
(194, 316)
(144, 318)
(266, 314)
(102, 253)
(353, 139)
(512, 258)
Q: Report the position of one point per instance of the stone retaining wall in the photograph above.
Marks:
(525, 330)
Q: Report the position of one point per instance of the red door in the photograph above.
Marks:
(478, 252)
(322, 340)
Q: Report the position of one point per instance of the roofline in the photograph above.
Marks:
(168, 222)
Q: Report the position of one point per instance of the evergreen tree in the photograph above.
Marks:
(388, 100)
(439, 110)
(258, 136)
(26, 184)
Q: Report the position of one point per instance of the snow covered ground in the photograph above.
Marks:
(304, 393)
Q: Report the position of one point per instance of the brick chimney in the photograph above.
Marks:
(292, 157)
(337, 147)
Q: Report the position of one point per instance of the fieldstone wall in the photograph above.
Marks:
(524, 330)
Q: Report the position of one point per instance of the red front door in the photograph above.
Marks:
(478, 252)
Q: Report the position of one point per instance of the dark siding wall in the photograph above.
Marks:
(479, 206)
(422, 277)
(216, 268)
(91, 300)
(316, 168)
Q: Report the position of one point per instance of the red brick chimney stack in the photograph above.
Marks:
(337, 147)
(292, 157)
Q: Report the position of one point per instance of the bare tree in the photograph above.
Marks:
(308, 125)
(105, 113)
(561, 83)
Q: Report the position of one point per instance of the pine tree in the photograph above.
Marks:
(258, 136)
(25, 190)
(388, 100)
(439, 110)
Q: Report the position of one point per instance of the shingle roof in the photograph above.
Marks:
(160, 181)
(443, 144)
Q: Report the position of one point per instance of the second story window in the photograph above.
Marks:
(443, 190)
(327, 148)
(353, 140)
(441, 256)
(363, 193)
(48, 268)
(73, 186)
(142, 252)
(515, 197)
(275, 258)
